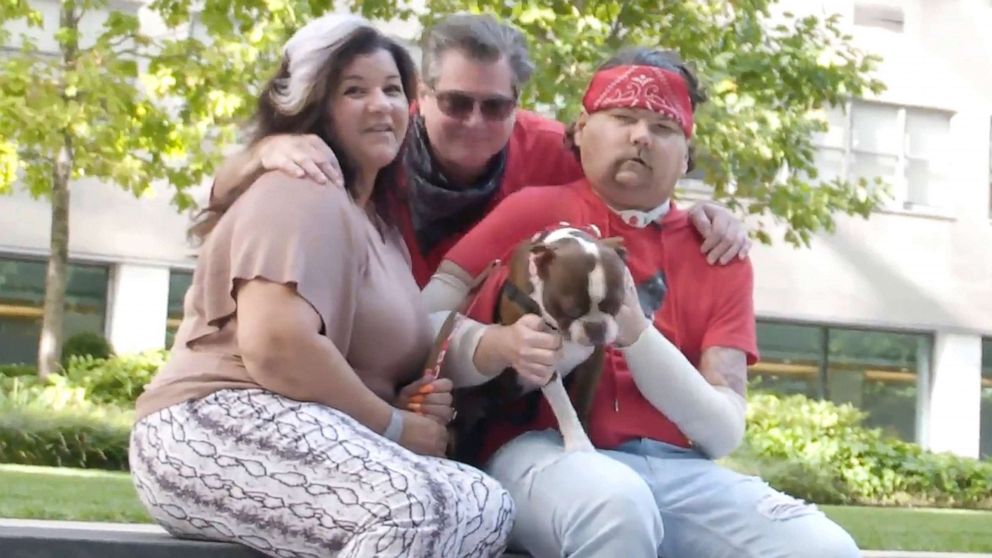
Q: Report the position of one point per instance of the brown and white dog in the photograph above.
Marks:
(574, 280)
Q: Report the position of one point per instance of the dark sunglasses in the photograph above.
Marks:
(461, 105)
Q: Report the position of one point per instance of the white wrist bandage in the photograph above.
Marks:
(395, 428)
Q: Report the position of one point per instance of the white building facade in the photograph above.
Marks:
(892, 314)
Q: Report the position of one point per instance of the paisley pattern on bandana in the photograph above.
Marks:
(648, 87)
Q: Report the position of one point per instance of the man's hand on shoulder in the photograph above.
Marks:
(725, 237)
(298, 155)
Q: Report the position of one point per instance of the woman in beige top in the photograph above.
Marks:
(277, 421)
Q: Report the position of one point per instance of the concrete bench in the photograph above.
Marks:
(67, 539)
(57, 539)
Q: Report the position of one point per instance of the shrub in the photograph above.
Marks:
(55, 393)
(17, 370)
(87, 343)
(118, 380)
(820, 451)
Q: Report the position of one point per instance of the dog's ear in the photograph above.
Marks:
(542, 256)
(616, 244)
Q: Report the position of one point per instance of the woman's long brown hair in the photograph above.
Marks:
(314, 119)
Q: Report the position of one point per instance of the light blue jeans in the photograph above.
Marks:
(649, 499)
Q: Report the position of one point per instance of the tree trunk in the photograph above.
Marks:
(50, 344)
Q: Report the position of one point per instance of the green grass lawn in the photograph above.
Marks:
(76, 494)
(916, 529)
(84, 495)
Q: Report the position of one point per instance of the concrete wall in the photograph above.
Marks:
(105, 224)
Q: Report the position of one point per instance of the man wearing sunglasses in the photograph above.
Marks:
(469, 146)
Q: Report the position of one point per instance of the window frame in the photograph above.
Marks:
(985, 379)
(171, 321)
(19, 310)
(899, 182)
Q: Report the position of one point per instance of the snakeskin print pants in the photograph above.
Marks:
(294, 479)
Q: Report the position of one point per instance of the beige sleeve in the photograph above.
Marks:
(303, 235)
(443, 295)
(444, 292)
(459, 365)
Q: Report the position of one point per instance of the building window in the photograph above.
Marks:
(179, 282)
(876, 371)
(906, 147)
(22, 298)
(985, 449)
(792, 359)
(884, 16)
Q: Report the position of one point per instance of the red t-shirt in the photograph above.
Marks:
(535, 155)
(695, 305)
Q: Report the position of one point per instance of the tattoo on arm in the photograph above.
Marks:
(723, 366)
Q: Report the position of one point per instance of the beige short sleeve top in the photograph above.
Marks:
(312, 237)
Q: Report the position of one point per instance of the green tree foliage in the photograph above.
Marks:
(769, 76)
(95, 91)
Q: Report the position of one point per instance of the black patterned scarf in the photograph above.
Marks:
(439, 208)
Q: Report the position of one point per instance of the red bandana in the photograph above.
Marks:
(646, 87)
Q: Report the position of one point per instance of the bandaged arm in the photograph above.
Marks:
(444, 294)
(712, 416)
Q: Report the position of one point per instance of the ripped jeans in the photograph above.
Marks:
(650, 499)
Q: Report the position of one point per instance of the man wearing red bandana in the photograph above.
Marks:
(671, 399)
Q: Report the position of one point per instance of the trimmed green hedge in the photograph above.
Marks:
(95, 440)
(17, 370)
(53, 423)
(80, 418)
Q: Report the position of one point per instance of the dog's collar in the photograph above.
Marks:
(640, 219)
(527, 303)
